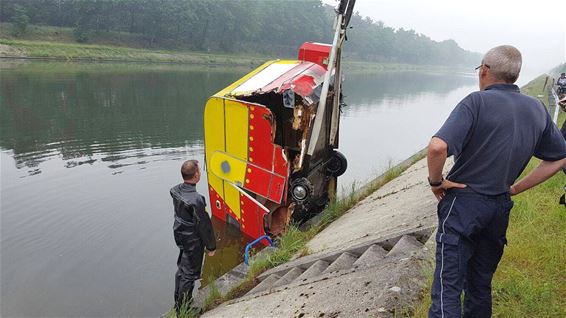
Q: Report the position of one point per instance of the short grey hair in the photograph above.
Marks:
(189, 169)
(504, 63)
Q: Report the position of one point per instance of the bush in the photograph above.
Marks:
(20, 21)
(81, 34)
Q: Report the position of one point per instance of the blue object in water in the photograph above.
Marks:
(250, 245)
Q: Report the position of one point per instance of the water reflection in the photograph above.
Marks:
(370, 90)
(391, 116)
(89, 151)
(228, 254)
(76, 112)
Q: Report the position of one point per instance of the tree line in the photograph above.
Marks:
(263, 27)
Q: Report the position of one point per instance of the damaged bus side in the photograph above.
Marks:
(271, 140)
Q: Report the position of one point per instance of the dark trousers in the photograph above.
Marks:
(469, 246)
(189, 265)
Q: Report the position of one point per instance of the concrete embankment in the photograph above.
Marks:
(367, 263)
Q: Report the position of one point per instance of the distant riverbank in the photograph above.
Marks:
(64, 51)
(39, 50)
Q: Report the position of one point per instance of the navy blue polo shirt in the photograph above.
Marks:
(494, 133)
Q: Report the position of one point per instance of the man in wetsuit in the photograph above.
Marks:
(193, 233)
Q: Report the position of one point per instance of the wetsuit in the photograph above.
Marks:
(193, 233)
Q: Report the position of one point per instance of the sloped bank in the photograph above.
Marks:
(373, 241)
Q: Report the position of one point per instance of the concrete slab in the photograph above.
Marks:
(344, 261)
(314, 270)
(373, 254)
(289, 277)
(404, 203)
(265, 284)
(369, 292)
(406, 244)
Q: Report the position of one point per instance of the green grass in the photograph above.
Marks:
(69, 51)
(373, 67)
(212, 297)
(91, 52)
(530, 280)
(38, 32)
(184, 312)
(537, 89)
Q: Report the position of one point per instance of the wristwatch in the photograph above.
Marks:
(435, 184)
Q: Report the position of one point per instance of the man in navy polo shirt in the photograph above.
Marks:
(492, 134)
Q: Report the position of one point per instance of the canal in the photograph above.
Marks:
(89, 151)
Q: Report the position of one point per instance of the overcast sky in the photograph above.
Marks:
(536, 28)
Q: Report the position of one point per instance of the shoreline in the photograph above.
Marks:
(26, 50)
(103, 60)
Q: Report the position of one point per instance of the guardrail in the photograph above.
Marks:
(556, 107)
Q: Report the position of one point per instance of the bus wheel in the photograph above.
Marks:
(337, 164)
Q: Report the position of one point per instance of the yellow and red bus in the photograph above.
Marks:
(271, 139)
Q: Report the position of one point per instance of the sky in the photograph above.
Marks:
(536, 28)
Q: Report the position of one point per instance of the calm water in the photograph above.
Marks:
(89, 152)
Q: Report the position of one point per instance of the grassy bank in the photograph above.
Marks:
(56, 68)
(63, 51)
(57, 43)
(90, 52)
(65, 35)
(371, 67)
(537, 88)
(530, 280)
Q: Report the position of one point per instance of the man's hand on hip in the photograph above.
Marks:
(440, 191)
(211, 253)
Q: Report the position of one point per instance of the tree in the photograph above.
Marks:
(20, 21)
(244, 26)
